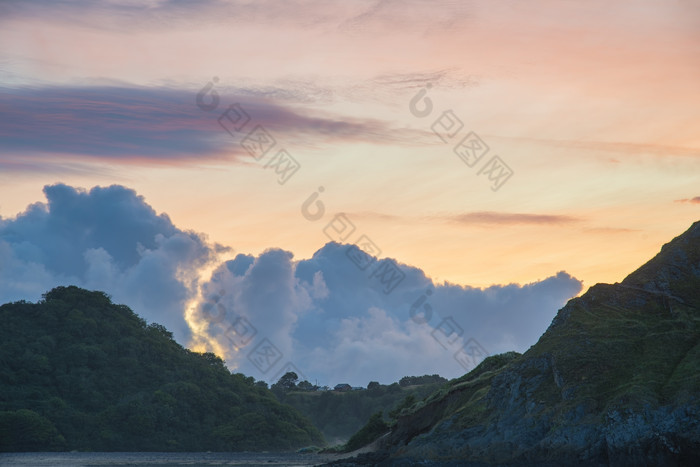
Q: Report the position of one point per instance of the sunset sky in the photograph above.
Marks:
(594, 107)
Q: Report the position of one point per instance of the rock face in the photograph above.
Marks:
(615, 380)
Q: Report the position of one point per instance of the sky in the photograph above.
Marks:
(212, 163)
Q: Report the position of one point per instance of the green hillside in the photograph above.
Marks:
(78, 372)
(338, 415)
(615, 380)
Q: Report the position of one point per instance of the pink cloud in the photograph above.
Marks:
(695, 200)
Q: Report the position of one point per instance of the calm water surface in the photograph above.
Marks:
(144, 459)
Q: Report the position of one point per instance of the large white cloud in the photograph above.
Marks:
(333, 322)
(106, 239)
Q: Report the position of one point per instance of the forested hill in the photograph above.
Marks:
(78, 372)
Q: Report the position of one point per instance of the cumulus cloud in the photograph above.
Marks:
(104, 239)
(333, 322)
(324, 317)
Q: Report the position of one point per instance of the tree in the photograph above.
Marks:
(305, 386)
(285, 384)
(288, 381)
(159, 328)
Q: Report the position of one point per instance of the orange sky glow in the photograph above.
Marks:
(594, 106)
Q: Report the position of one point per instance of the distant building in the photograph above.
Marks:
(357, 388)
(342, 387)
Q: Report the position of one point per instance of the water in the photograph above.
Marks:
(161, 459)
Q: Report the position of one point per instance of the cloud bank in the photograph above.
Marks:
(330, 318)
(327, 319)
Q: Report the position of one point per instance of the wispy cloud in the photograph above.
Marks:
(418, 15)
(445, 79)
(478, 218)
(104, 123)
(155, 125)
(609, 230)
(509, 218)
(614, 147)
(357, 16)
(695, 200)
(380, 216)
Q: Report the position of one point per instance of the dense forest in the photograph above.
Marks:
(78, 372)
